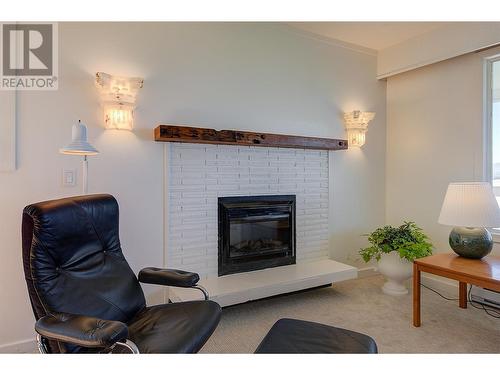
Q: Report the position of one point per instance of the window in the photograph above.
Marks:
(493, 128)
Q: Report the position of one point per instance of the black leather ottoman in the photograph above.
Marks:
(299, 336)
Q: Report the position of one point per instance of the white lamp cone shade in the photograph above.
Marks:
(470, 204)
(79, 144)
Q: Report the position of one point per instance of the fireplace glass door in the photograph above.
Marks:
(256, 233)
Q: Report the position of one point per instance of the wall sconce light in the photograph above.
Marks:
(118, 95)
(356, 125)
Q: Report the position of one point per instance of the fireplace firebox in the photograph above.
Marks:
(256, 232)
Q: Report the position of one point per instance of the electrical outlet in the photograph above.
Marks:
(69, 177)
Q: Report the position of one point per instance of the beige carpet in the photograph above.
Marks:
(359, 305)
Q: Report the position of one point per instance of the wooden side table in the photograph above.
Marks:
(480, 272)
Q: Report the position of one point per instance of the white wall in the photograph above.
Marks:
(434, 137)
(7, 131)
(259, 77)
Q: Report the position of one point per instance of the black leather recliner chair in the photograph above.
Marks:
(85, 296)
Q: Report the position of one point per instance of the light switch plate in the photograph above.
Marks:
(69, 177)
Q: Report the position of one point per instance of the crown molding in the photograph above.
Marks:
(288, 27)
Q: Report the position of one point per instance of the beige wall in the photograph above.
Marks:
(259, 77)
(434, 137)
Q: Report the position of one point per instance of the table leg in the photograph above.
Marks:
(416, 296)
(462, 295)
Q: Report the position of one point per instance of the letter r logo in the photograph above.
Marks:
(27, 49)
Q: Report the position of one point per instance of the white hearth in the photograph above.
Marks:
(249, 286)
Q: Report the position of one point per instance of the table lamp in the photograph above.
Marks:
(80, 146)
(470, 207)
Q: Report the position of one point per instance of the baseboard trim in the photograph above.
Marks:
(441, 284)
(448, 286)
(367, 272)
(19, 347)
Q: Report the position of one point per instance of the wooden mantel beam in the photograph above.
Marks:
(186, 134)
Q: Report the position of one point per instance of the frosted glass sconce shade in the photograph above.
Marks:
(118, 96)
(119, 117)
(356, 125)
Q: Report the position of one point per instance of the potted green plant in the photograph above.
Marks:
(395, 248)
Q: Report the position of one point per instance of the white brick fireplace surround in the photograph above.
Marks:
(198, 174)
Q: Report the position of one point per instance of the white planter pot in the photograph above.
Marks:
(396, 272)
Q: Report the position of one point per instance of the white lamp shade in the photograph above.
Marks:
(470, 204)
(79, 144)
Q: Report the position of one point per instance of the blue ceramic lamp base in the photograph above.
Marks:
(468, 242)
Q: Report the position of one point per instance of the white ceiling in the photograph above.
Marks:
(374, 35)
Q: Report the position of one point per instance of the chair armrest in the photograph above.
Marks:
(168, 277)
(81, 330)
